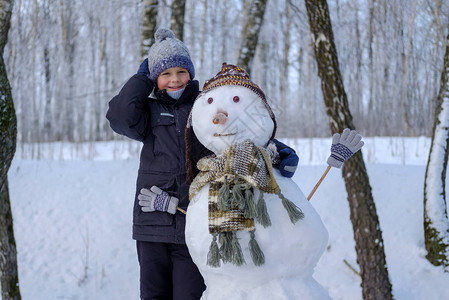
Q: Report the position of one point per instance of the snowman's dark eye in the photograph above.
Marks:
(236, 99)
(210, 100)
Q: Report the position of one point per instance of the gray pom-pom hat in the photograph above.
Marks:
(168, 52)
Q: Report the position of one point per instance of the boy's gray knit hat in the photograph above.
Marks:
(168, 52)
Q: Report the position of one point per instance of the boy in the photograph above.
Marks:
(153, 108)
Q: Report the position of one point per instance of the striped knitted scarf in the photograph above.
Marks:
(233, 176)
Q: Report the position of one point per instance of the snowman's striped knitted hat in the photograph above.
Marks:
(234, 75)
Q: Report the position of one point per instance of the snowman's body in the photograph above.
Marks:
(291, 250)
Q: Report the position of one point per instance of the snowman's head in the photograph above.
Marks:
(231, 109)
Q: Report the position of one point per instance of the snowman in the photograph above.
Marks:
(251, 232)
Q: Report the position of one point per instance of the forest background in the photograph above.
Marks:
(67, 59)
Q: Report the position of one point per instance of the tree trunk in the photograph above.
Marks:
(178, 9)
(8, 133)
(286, 61)
(406, 106)
(46, 130)
(371, 112)
(250, 35)
(69, 111)
(436, 223)
(367, 233)
(149, 26)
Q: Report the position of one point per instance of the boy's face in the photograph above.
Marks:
(173, 79)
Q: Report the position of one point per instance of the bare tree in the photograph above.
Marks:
(47, 130)
(367, 233)
(178, 9)
(371, 98)
(8, 132)
(73, 53)
(250, 35)
(66, 98)
(436, 223)
(286, 62)
(149, 26)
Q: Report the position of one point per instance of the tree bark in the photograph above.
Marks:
(371, 112)
(149, 26)
(436, 223)
(8, 134)
(250, 35)
(286, 61)
(367, 233)
(69, 111)
(178, 9)
(46, 131)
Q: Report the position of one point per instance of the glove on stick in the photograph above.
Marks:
(344, 146)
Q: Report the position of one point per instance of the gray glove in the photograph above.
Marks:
(344, 146)
(156, 199)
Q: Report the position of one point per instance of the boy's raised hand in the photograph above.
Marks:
(143, 69)
(155, 199)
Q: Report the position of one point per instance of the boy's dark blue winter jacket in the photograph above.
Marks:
(159, 123)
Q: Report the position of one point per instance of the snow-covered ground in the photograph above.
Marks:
(72, 212)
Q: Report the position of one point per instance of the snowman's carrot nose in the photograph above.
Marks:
(220, 118)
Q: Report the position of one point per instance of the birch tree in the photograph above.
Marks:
(365, 222)
(250, 36)
(73, 53)
(68, 41)
(436, 223)
(8, 132)
(178, 9)
(149, 26)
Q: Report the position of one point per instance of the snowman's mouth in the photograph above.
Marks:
(225, 134)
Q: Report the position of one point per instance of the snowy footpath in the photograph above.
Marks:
(72, 221)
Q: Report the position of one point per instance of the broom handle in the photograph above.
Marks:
(319, 182)
(181, 210)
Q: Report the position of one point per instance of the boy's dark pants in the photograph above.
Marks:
(167, 272)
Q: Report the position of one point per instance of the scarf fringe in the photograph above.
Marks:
(262, 214)
(224, 194)
(294, 213)
(250, 206)
(230, 250)
(237, 197)
(256, 253)
(213, 257)
(238, 259)
(224, 239)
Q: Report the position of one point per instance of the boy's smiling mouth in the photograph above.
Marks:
(175, 88)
